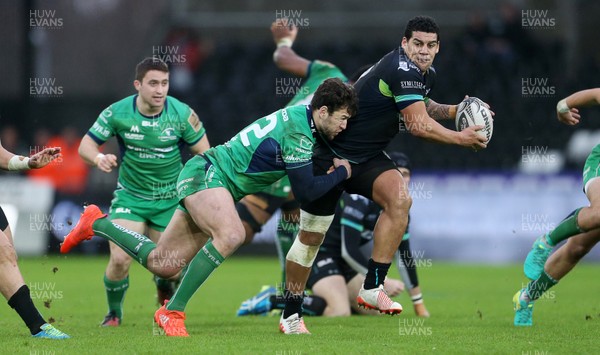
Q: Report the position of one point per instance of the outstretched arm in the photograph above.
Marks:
(284, 56)
(567, 108)
(10, 161)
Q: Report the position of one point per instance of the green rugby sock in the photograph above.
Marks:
(535, 289)
(138, 246)
(566, 229)
(199, 269)
(115, 294)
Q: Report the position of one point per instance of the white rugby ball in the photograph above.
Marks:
(474, 112)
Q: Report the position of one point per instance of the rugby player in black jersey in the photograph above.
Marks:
(397, 86)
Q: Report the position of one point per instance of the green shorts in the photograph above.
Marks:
(591, 169)
(155, 213)
(281, 188)
(199, 174)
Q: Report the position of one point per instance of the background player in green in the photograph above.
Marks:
(580, 227)
(12, 285)
(149, 127)
(256, 209)
(208, 186)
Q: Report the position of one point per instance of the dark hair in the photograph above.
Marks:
(336, 95)
(400, 159)
(149, 63)
(421, 24)
(360, 71)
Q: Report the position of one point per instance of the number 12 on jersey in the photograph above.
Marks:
(259, 131)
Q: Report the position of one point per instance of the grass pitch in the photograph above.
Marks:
(470, 305)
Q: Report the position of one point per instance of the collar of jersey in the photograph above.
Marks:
(148, 117)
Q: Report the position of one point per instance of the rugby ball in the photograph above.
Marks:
(474, 112)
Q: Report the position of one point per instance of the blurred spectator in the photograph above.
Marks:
(68, 174)
(9, 136)
(189, 52)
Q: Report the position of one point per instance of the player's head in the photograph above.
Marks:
(402, 162)
(421, 41)
(152, 81)
(333, 104)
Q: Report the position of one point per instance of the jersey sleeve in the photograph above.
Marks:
(194, 129)
(406, 87)
(103, 128)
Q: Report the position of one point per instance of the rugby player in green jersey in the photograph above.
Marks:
(210, 184)
(150, 128)
(581, 227)
(255, 210)
(12, 286)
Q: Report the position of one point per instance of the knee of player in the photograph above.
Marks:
(577, 250)
(120, 261)
(234, 238)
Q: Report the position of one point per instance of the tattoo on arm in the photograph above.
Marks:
(438, 111)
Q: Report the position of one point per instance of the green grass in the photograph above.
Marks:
(470, 305)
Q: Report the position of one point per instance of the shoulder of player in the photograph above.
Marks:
(178, 108)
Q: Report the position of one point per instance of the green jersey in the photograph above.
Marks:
(150, 146)
(318, 72)
(260, 154)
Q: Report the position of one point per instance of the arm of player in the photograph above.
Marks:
(307, 187)
(439, 111)
(567, 108)
(420, 124)
(284, 56)
(201, 146)
(10, 161)
(89, 151)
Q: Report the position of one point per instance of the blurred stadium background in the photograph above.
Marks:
(64, 61)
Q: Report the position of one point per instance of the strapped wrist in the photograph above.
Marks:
(562, 106)
(98, 158)
(18, 162)
(285, 42)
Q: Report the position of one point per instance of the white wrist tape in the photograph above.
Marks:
(97, 158)
(285, 42)
(562, 106)
(18, 162)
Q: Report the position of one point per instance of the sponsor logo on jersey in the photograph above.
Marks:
(168, 134)
(306, 144)
(134, 136)
(412, 84)
(135, 129)
(123, 210)
(149, 124)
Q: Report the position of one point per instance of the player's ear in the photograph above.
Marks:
(404, 41)
(137, 84)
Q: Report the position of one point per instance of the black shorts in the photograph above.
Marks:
(328, 265)
(361, 182)
(3, 220)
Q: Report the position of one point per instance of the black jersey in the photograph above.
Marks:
(392, 84)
